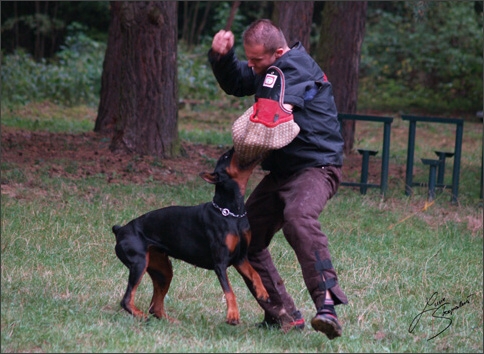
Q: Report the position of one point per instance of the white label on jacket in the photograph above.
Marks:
(270, 80)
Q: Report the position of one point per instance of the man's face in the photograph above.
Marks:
(258, 59)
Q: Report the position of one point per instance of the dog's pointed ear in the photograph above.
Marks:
(210, 177)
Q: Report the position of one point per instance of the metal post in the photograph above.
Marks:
(410, 152)
(364, 168)
(432, 173)
(456, 171)
(432, 182)
(385, 157)
(441, 170)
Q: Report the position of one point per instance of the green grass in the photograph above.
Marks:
(62, 283)
(45, 116)
(207, 137)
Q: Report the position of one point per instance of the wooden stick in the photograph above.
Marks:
(233, 10)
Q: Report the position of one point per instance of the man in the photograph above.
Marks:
(303, 176)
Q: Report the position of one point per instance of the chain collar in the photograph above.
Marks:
(226, 212)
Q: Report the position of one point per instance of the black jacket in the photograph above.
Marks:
(319, 142)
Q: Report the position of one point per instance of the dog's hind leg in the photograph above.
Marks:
(136, 272)
(137, 265)
(161, 273)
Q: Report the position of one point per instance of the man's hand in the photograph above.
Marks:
(222, 42)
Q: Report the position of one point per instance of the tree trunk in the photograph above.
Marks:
(148, 120)
(108, 110)
(15, 7)
(202, 23)
(342, 33)
(191, 40)
(295, 19)
(185, 29)
(37, 54)
(54, 30)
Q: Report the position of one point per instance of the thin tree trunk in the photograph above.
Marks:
(37, 55)
(184, 34)
(54, 29)
(202, 22)
(15, 7)
(45, 32)
(193, 25)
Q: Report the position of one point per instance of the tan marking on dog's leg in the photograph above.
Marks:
(233, 315)
(131, 307)
(161, 273)
(248, 271)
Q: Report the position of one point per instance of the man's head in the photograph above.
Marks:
(264, 43)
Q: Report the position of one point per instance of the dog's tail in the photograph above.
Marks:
(115, 229)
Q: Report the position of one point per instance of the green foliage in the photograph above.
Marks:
(38, 23)
(416, 56)
(72, 77)
(428, 58)
(195, 78)
(221, 14)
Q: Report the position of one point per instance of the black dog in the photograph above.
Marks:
(213, 235)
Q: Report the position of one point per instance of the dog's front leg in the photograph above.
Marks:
(233, 315)
(245, 269)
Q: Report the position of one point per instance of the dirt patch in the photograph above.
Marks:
(78, 156)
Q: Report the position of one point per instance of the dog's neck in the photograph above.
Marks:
(241, 173)
(228, 196)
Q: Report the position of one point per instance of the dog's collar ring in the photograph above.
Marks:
(227, 212)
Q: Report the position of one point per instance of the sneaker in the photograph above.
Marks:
(298, 320)
(327, 323)
(272, 322)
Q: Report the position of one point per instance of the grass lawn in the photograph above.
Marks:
(413, 271)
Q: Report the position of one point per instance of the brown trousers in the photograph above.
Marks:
(294, 204)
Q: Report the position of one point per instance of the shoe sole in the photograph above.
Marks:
(326, 326)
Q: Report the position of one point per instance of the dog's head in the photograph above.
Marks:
(229, 167)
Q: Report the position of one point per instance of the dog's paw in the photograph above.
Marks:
(233, 317)
(262, 295)
(233, 321)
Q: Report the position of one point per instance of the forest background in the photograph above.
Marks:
(416, 56)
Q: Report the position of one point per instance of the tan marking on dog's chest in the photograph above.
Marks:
(231, 241)
(248, 236)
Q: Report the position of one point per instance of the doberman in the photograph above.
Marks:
(212, 235)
